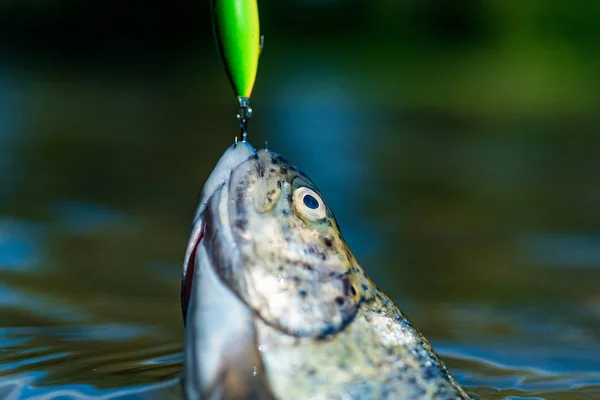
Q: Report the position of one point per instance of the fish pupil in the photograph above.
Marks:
(310, 202)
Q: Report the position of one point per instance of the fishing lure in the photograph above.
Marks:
(237, 33)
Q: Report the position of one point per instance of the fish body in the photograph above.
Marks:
(277, 306)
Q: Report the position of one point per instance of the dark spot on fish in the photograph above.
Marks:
(241, 224)
(346, 283)
(272, 170)
(279, 184)
(311, 372)
(274, 161)
(441, 393)
(353, 290)
(328, 242)
(339, 301)
(283, 171)
(369, 300)
(329, 223)
(302, 293)
(286, 213)
(333, 274)
(254, 157)
(270, 194)
(280, 268)
(364, 287)
(289, 197)
(348, 254)
(239, 204)
(428, 374)
(308, 267)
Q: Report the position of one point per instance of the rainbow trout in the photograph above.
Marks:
(277, 307)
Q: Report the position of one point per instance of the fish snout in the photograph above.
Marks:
(236, 154)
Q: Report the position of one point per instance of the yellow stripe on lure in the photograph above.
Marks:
(238, 37)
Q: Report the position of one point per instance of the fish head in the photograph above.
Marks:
(273, 240)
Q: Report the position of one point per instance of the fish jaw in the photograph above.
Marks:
(235, 155)
(221, 355)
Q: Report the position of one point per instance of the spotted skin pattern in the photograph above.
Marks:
(323, 329)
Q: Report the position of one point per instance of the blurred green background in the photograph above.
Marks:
(457, 142)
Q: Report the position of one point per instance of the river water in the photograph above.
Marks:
(483, 228)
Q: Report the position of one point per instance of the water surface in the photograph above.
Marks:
(483, 228)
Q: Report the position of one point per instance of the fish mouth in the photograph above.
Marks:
(234, 156)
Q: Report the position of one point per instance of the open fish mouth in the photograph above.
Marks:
(235, 155)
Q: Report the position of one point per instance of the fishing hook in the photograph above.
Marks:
(244, 114)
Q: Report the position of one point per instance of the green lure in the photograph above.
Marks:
(238, 38)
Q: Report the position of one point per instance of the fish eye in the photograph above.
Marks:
(309, 204)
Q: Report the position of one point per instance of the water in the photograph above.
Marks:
(483, 229)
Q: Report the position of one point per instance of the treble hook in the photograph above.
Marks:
(244, 114)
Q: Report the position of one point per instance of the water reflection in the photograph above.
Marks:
(513, 350)
(19, 245)
(563, 250)
(81, 218)
(101, 355)
(22, 387)
(10, 101)
(27, 302)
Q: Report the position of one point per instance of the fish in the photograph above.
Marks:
(276, 306)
